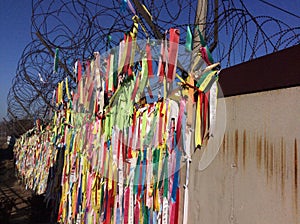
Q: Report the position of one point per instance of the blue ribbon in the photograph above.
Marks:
(123, 5)
(144, 172)
(176, 175)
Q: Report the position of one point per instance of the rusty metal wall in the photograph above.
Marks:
(255, 178)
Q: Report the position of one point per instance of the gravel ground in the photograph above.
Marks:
(18, 205)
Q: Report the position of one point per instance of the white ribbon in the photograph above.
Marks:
(131, 207)
(188, 135)
(213, 108)
(165, 211)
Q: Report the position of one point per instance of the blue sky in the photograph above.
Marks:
(15, 33)
(15, 21)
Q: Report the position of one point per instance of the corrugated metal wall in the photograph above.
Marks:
(255, 176)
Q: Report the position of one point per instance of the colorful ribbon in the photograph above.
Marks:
(120, 163)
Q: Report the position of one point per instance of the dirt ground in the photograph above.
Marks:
(18, 205)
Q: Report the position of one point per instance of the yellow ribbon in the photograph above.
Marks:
(67, 88)
(198, 136)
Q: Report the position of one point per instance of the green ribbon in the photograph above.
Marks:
(202, 41)
(115, 69)
(144, 126)
(144, 78)
(111, 72)
(106, 125)
(145, 213)
(202, 78)
(210, 58)
(128, 109)
(102, 196)
(55, 67)
(211, 82)
(108, 40)
(189, 39)
(155, 167)
(137, 174)
(165, 170)
(121, 114)
(149, 137)
(113, 118)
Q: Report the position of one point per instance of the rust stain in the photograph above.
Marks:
(227, 146)
(282, 167)
(236, 154)
(296, 175)
(276, 168)
(244, 149)
(271, 160)
(224, 146)
(268, 161)
(258, 152)
(266, 156)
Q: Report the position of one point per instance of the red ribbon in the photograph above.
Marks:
(90, 91)
(176, 221)
(56, 94)
(60, 211)
(123, 146)
(150, 92)
(128, 53)
(138, 141)
(166, 117)
(173, 52)
(137, 212)
(129, 152)
(119, 146)
(149, 60)
(88, 69)
(103, 158)
(79, 70)
(205, 113)
(162, 61)
(179, 123)
(107, 74)
(204, 55)
(126, 204)
(96, 108)
(136, 87)
(160, 120)
(108, 206)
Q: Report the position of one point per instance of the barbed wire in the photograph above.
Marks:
(79, 28)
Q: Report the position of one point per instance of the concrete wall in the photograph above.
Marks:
(254, 178)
